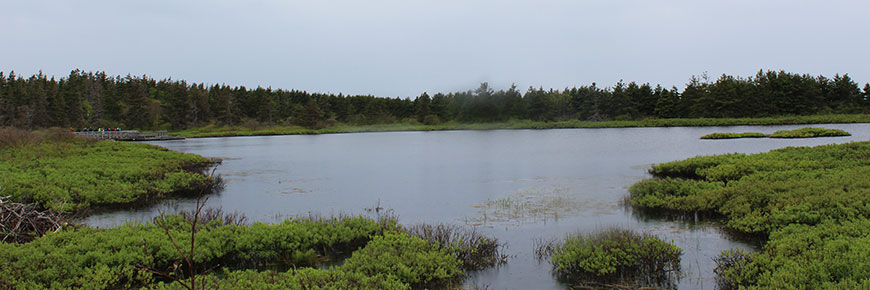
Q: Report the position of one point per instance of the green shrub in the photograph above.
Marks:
(302, 279)
(615, 254)
(809, 132)
(114, 258)
(803, 257)
(409, 259)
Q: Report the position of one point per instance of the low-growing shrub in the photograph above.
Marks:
(410, 259)
(798, 256)
(115, 258)
(811, 203)
(61, 172)
(302, 279)
(614, 254)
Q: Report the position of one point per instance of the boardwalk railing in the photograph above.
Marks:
(128, 135)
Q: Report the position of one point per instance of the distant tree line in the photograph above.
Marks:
(88, 99)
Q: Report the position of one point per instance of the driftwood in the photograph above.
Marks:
(22, 222)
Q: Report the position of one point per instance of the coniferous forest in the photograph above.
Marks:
(95, 99)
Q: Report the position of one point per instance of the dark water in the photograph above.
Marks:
(518, 185)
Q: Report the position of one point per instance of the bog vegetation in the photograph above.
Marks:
(808, 132)
(613, 255)
(87, 99)
(810, 204)
(58, 171)
(385, 255)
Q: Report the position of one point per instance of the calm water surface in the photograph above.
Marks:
(518, 185)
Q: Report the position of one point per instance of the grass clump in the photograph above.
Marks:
(734, 135)
(810, 203)
(58, 171)
(809, 132)
(613, 255)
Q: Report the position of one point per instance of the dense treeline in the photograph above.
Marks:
(87, 99)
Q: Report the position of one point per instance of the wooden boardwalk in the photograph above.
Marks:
(129, 135)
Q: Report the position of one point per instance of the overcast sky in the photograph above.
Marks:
(405, 47)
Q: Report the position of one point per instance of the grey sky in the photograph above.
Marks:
(405, 47)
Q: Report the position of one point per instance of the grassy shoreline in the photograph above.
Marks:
(230, 131)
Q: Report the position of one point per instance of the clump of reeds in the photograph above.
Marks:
(475, 250)
(613, 255)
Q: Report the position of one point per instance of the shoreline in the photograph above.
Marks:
(237, 131)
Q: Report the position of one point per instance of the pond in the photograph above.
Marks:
(517, 185)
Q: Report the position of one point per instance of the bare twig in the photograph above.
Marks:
(189, 257)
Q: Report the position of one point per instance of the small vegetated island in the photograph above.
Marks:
(797, 133)
(810, 203)
(613, 256)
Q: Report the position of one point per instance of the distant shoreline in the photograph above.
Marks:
(231, 131)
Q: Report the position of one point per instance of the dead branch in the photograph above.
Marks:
(23, 222)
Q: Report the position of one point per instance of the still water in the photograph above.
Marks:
(516, 185)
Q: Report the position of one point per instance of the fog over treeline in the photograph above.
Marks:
(95, 99)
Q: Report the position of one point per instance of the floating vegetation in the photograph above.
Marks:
(809, 132)
(613, 256)
(535, 204)
(295, 190)
(734, 135)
